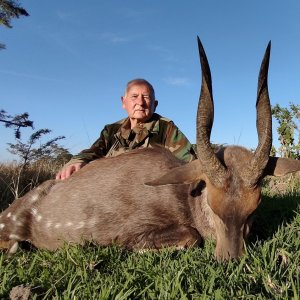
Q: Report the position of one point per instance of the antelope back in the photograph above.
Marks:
(105, 202)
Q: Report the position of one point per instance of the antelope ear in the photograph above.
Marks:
(185, 174)
(278, 166)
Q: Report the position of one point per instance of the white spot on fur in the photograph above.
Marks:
(34, 198)
(2, 226)
(19, 224)
(14, 237)
(8, 215)
(13, 249)
(69, 224)
(48, 224)
(34, 211)
(57, 225)
(80, 225)
(142, 251)
(14, 218)
(38, 218)
(179, 247)
(92, 222)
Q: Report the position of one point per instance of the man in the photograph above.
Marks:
(143, 128)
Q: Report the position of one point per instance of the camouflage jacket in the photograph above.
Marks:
(118, 138)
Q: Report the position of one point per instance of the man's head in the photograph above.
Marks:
(139, 101)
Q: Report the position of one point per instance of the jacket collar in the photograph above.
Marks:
(142, 129)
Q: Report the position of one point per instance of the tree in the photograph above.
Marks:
(36, 159)
(10, 9)
(16, 121)
(26, 151)
(49, 150)
(288, 129)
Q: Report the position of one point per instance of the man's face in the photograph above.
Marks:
(139, 103)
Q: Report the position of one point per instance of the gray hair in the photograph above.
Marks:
(141, 81)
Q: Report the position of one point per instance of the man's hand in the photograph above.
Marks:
(68, 170)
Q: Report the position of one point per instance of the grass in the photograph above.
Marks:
(269, 270)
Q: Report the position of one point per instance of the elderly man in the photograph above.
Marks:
(142, 128)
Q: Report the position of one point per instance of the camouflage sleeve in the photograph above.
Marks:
(178, 144)
(97, 150)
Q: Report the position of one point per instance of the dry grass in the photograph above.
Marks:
(16, 180)
(280, 186)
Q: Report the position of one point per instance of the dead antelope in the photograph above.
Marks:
(148, 199)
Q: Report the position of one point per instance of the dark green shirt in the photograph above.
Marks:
(118, 138)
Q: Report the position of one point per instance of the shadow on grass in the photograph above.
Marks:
(273, 212)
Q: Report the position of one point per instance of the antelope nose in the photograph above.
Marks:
(225, 255)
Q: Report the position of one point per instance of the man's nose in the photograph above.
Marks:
(140, 99)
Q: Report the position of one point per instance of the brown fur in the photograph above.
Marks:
(106, 202)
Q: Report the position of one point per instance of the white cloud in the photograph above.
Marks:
(114, 38)
(177, 81)
(164, 53)
(29, 76)
(63, 15)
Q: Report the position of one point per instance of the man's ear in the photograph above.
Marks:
(122, 100)
(155, 105)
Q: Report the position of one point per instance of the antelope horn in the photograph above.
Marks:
(263, 125)
(213, 168)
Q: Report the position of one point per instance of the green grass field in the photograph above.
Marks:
(269, 270)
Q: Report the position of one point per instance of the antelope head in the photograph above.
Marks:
(233, 174)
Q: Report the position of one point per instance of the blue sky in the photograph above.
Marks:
(68, 63)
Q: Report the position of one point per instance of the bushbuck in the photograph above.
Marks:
(148, 199)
